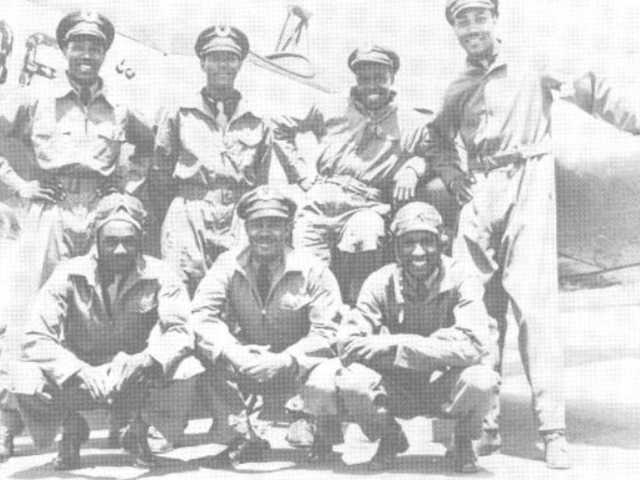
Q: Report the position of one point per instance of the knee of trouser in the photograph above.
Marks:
(363, 232)
(361, 390)
(481, 380)
(319, 393)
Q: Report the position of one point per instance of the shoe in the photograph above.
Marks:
(489, 443)
(556, 451)
(75, 432)
(6, 444)
(392, 443)
(301, 433)
(136, 441)
(462, 455)
(243, 450)
(158, 443)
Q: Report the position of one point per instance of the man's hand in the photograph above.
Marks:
(460, 188)
(94, 380)
(267, 365)
(306, 183)
(45, 191)
(135, 369)
(450, 334)
(406, 182)
(368, 349)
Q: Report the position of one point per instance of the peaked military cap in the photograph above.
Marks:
(416, 217)
(84, 22)
(119, 206)
(266, 201)
(374, 54)
(222, 38)
(456, 6)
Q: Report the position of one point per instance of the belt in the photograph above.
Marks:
(353, 185)
(487, 163)
(223, 192)
(80, 182)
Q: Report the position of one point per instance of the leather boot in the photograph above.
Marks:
(75, 432)
(392, 443)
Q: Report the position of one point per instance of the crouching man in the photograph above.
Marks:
(264, 318)
(108, 330)
(414, 345)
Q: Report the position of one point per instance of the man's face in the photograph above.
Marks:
(221, 68)
(419, 253)
(119, 245)
(85, 55)
(268, 237)
(374, 83)
(476, 31)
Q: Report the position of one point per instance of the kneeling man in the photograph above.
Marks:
(108, 330)
(417, 343)
(264, 318)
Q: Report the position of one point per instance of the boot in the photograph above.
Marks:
(136, 442)
(489, 443)
(6, 444)
(243, 450)
(75, 432)
(556, 452)
(462, 455)
(392, 443)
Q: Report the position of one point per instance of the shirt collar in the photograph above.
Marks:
(199, 103)
(87, 267)
(67, 86)
(292, 261)
(497, 60)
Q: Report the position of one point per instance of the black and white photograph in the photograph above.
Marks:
(319, 238)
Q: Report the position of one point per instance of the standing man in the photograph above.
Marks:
(417, 343)
(76, 128)
(215, 149)
(264, 318)
(500, 107)
(365, 139)
(105, 329)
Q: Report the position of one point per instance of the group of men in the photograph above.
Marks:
(259, 299)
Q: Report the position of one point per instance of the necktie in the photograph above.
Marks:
(263, 281)
(221, 118)
(85, 95)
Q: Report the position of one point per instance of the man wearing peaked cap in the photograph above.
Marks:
(454, 7)
(507, 226)
(264, 317)
(210, 150)
(422, 314)
(109, 331)
(76, 130)
(367, 159)
(83, 22)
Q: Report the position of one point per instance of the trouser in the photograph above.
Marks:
(336, 220)
(166, 407)
(508, 231)
(200, 225)
(361, 394)
(237, 401)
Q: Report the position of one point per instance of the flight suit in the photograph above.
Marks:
(212, 168)
(442, 364)
(501, 111)
(74, 324)
(299, 317)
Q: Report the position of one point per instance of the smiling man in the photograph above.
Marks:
(500, 109)
(365, 161)
(211, 150)
(264, 316)
(75, 128)
(418, 342)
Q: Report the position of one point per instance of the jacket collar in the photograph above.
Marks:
(437, 285)
(197, 102)
(293, 262)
